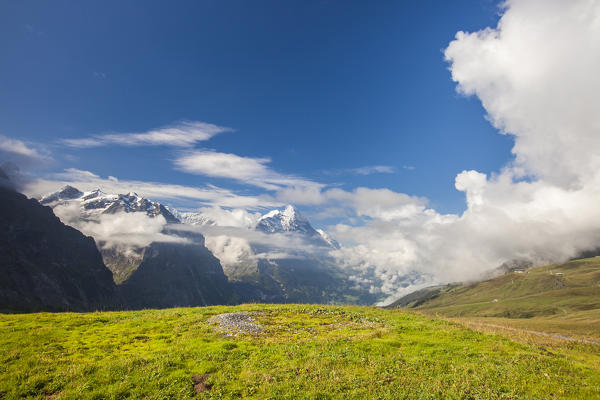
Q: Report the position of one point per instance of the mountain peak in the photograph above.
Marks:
(66, 192)
(287, 220)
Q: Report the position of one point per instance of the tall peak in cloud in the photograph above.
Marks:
(289, 219)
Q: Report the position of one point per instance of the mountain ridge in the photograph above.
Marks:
(46, 265)
(98, 202)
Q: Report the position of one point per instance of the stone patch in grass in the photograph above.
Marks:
(235, 323)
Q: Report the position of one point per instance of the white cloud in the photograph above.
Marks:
(383, 204)
(305, 194)
(536, 75)
(123, 230)
(248, 170)
(183, 134)
(374, 169)
(207, 196)
(18, 147)
(232, 251)
(473, 184)
(366, 170)
(236, 217)
(242, 246)
(18, 159)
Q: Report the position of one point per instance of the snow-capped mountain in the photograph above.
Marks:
(286, 220)
(290, 220)
(97, 202)
(65, 193)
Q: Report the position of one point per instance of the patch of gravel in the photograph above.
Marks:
(239, 322)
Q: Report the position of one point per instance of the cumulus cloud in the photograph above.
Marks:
(237, 217)
(231, 251)
(536, 76)
(243, 246)
(123, 230)
(381, 204)
(248, 170)
(362, 202)
(183, 134)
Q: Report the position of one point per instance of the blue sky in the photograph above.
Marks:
(320, 88)
(237, 107)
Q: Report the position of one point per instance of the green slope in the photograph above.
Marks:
(311, 352)
(561, 298)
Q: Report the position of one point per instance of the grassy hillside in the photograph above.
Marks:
(312, 352)
(561, 298)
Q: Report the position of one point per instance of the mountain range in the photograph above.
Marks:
(182, 271)
(97, 202)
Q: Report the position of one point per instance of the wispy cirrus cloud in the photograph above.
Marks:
(366, 170)
(19, 148)
(247, 170)
(183, 134)
(208, 195)
(374, 169)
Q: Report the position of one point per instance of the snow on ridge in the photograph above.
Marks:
(97, 202)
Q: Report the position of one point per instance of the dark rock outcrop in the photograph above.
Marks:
(46, 265)
(176, 275)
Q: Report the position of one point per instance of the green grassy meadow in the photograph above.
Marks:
(563, 299)
(306, 352)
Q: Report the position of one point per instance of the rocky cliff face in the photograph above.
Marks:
(176, 275)
(46, 265)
